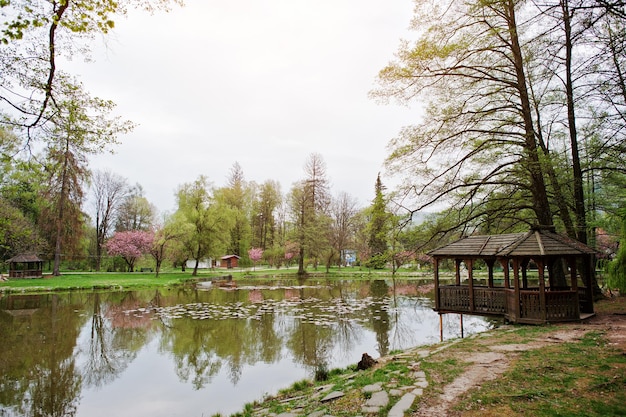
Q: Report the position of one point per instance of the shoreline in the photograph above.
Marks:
(452, 377)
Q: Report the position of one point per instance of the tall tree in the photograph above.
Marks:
(265, 207)
(309, 200)
(378, 228)
(82, 126)
(238, 195)
(470, 66)
(109, 190)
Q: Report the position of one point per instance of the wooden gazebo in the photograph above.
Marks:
(25, 266)
(548, 296)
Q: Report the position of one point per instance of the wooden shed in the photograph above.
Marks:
(530, 287)
(229, 261)
(25, 266)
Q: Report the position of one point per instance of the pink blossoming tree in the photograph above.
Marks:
(255, 254)
(130, 245)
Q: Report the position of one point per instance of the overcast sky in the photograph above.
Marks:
(261, 82)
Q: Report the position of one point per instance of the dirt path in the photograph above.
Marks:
(489, 365)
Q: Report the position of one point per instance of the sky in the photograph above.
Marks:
(264, 83)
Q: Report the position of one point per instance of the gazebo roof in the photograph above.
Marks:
(538, 242)
(25, 257)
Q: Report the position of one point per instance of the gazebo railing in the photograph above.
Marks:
(488, 301)
(25, 273)
(560, 305)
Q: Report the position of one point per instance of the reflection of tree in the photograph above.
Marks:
(37, 369)
(115, 338)
(55, 390)
(380, 316)
(310, 344)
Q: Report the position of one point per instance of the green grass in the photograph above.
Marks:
(75, 281)
(168, 278)
(586, 377)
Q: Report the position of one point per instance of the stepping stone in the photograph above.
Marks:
(373, 387)
(370, 410)
(379, 399)
(396, 392)
(332, 396)
(421, 383)
(402, 405)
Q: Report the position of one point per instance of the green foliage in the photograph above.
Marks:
(377, 261)
(378, 225)
(617, 267)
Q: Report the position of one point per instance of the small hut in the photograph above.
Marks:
(25, 266)
(229, 261)
(531, 287)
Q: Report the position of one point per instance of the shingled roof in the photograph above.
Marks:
(25, 257)
(539, 242)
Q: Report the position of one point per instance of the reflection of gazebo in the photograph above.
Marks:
(25, 266)
(513, 297)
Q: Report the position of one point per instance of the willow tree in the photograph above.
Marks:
(207, 217)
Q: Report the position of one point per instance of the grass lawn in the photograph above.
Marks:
(168, 278)
(101, 280)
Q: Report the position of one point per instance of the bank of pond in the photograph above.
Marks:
(203, 349)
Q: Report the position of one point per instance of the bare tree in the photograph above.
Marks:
(109, 191)
(343, 210)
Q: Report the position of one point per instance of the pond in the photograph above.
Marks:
(200, 351)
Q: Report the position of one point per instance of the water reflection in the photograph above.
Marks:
(200, 351)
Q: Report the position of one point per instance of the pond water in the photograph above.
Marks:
(201, 351)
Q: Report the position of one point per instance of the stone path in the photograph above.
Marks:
(486, 364)
(378, 395)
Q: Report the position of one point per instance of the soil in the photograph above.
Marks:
(610, 319)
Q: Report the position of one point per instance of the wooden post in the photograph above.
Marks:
(572, 265)
(516, 305)
(462, 336)
(440, 327)
(469, 263)
(436, 266)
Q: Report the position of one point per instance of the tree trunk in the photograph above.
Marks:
(56, 271)
(540, 202)
(301, 270)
